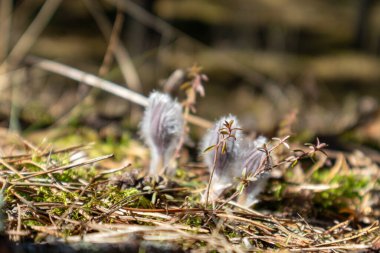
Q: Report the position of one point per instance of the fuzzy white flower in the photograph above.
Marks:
(162, 130)
(254, 163)
(224, 162)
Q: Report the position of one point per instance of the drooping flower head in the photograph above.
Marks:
(162, 130)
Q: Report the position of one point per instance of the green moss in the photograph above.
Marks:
(46, 194)
(277, 190)
(110, 145)
(70, 175)
(348, 191)
(194, 221)
(57, 211)
(31, 222)
(131, 195)
(142, 202)
(233, 234)
(181, 174)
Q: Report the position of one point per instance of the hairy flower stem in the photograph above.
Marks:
(211, 176)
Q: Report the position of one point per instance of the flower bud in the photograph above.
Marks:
(162, 130)
(254, 163)
(224, 160)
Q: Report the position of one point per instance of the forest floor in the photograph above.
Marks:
(74, 186)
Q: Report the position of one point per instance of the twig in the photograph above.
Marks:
(267, 229)
(5, 27)
(121, 54)
(111, 49)
(25, 156)
(166, 29)
(43, 185)
(105, 85)
(290, 233)
(10, 167)
(33, 31)
(363, 232)
(339, 225)
(338, 247)
(23, 200)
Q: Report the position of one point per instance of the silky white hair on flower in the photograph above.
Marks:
(254, 163)
(254, 188)
(162, 130)
(224, 162)
(240, 155)
(252, 157)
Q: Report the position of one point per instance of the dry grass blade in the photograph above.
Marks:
(364, 231)
(349, 247)
(66, 167)
(267, 229)
(14, 158)
(10, 167)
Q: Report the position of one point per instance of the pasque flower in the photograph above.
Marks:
(235, 157)
(162, 130)
(222, 158)
(254, 162)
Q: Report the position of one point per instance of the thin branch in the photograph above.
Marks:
(29, 37)
(166, 29)
(353, 247)
(102, 84)
(121, 54)
(15, 158)
(5, 27)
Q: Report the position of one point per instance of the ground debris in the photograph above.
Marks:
(53, 202)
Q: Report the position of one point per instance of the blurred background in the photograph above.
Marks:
(317, 61)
